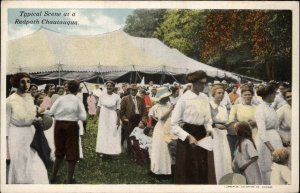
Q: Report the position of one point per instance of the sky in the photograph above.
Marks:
(90, 21)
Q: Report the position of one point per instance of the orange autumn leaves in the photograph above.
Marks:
(227, 30)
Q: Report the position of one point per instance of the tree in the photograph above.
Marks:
(181, 29)
(272, 41)
(264, 35)
(144, 22)
(256, 43)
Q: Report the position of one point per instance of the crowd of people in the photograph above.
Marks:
(193, 134)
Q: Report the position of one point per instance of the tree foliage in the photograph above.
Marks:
(256, 43)
(144, 22)
(265, 35)
(181, 29)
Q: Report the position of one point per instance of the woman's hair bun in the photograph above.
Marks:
(195, 76)
(265, 90)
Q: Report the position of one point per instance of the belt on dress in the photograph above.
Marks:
(64, 121)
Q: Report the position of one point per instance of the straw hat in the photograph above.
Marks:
(162, 93)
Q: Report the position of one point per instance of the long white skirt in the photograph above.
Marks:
(160, 156)
(222, 155)
(26, 167)
(109, 134)
(264, 154)
(81, 133)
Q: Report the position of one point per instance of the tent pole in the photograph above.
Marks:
(162, 79)
(100, 71)
(130, 78)
(59, 68)
(173, 77)
(135, 78)
(139, 75)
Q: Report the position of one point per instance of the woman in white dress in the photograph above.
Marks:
(26, 167)
(268, 138)
(222, 155)
(109, 133)
(160, 156)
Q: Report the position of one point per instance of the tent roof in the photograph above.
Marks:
(46, 51)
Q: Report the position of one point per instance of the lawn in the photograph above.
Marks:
(120, 170)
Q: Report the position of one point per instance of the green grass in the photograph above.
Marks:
(119, 170)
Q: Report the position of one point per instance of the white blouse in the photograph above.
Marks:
(192, 109)
(221, 115)
(68, 108)
(284, 115)
(173, 100)
(20, 110)
(266, 119)
(278, 101)
(112, 101)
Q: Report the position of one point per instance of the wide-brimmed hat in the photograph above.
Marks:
(162, 93)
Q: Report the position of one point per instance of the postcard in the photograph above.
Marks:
(108, 46)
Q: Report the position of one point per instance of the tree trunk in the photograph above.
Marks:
(269, 70)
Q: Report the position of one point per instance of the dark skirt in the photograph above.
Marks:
(194, 164)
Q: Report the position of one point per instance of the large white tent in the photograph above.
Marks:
(108, 55)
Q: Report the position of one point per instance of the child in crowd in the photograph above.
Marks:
(246, 155)
(281, 174)
(141, 143)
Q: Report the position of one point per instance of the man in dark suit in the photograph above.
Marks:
(133, 110)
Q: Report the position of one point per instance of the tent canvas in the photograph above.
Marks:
(47, 55)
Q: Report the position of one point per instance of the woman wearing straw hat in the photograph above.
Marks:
(191, 121)
(160, 156)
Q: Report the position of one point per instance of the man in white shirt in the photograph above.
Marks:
(67, 111)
